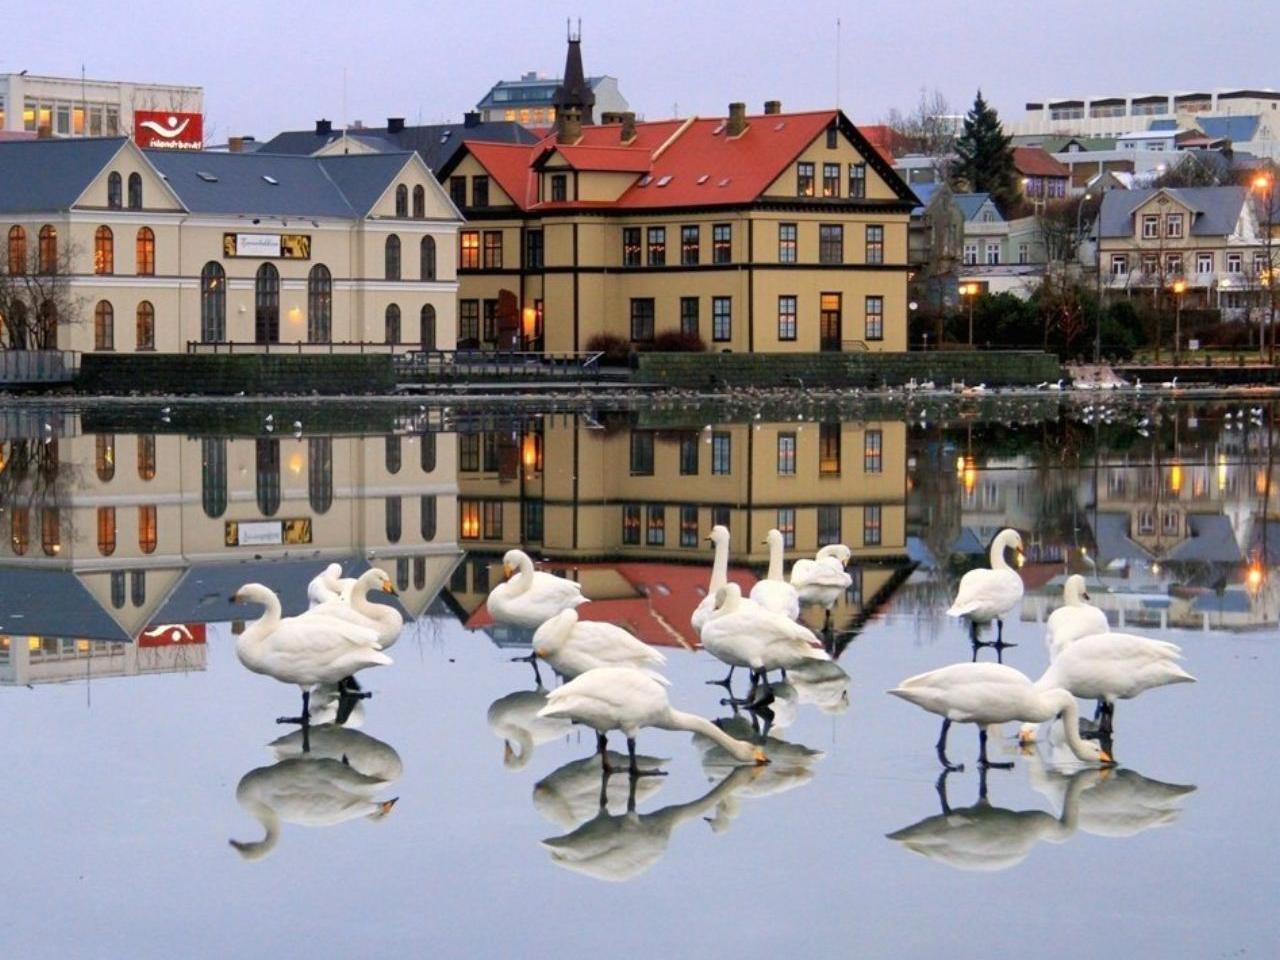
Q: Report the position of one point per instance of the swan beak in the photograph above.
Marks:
(1106, 757)
(234, 598)
(385, 808)
(1086, 596)
(507, 571)
(540, 652)
(1026, 737)
(758, 758)
(1021, 558)
(507, 753)
(389, 587)
(708, 539)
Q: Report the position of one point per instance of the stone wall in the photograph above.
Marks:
(230, 374)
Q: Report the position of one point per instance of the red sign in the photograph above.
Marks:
(172, 634)
(165, 130)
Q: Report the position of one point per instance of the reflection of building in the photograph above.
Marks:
(75, 107)
(174, 648)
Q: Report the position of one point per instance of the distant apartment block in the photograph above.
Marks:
(76, 107)
(531, 100)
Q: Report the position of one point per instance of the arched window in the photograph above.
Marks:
(146, 322)
(427, 327)
(105, 456)
(427, 258)
(48, 249)
(104, 326)
(138, 587)
(145, 253)
(402, 573)
(47, 331)
(402, 200)
(135, 191)
(104, 251)
(319, 304)
(393, 257)
(428, 518)
(392, 453)
(19, 529)
(213, 303)
(147, 528)
(427, 452)
(419, 573)
(268, 469)
(393, 323)
(115, 191)
(320, 473)
(146, 456)
(17, 251)
(117, 589)
(213, 476)
(419, 202)
(266, 304)
(50, 531)
(393, 519)
(106, 531)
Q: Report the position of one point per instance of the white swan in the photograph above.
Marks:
(1121, 803)
(774, 593)
(825, 684)
(574, 793)
(327, 585)
(355, 606)
(790, 766)
(821, 582)
(991, 693)
(719, 538)
(306, 650)
(515, 719)
(530, 598)
(573, 646)
(987, 595)
(1075, 618)
(363, 753)
(620, 698)
(744, 634)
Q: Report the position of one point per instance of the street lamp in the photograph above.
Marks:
(970, 292)
(1262, 185)
(1179, 288)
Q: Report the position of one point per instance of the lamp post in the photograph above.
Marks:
(969, 291)
(1179, 288)
(1263, 185)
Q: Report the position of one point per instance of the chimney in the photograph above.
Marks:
(324, 127)
(628, 126)
(395, 124)
(772, 107)
(235, 145)
(737, 119)
(471, 118)
(44, 132)
(568, 125)
(611, 116)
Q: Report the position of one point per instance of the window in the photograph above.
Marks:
(469, 519)
(402, 200)
(786, 454)
(105, 456)
(319, 304)
(213, 303)
(427, 327)
(145, 253)
(47, 332)
(1173, 263)
(1173, 226)
(138, 587)
(657, 246)
(873, 451)
(458, 191)
(993, 253)
(391, 258)
(875, 243)
(48, 249)
(689, 455)
(104, 251)
(828, 525)
(50, 531)
(319, 473)
(419, 202)
(19, 529)
(688, 526)
(641, 454)
(115, 191)
(831, 179)
(857, 181)
(631, 246)
(1260, 264)
(786, 243)
(135, 191)
(787, 526)
(1024, 253)
(392, 508)
(468, 323)
(1146, 521)
(720, 517)
(1119, 265)
(722, 243)
(689, 240)
(391, 324)
(479, 191)
(147, 528)
(17, 251)
(1235, 263)
(1150, 226)
(147, 456)
(1204, 263)
(469, 452)
(559, 188)
(786, 317)
(493, 249)
(146, 326)
(392, 453)
(721, 319)
(1169, 521)
(106, 531)
(469, 257)
(492, 519)
(427, 258)
(721, 454)
(871, 525)
(830, 243)
(970, 254)
(804, 179)
(656, 525)
(874, 318)
(104, 324)
(427, 452)
(689, 316)
(491, 321)
(833, 138)
(829, 450)
(642, 318)
(266, 457)
(533, 250)
(631, 525)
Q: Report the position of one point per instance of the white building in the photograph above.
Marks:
(77, 107)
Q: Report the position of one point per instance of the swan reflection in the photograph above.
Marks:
(344, 776)
(790, 766)
(825, 684)
(1120, 804)
(515, 719)
(576, 792)
(622, 846)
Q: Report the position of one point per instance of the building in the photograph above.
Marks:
(75, 107)
(1040, 177)
(156, 250)
(536, 101)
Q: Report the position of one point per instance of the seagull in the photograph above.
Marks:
(164, 411)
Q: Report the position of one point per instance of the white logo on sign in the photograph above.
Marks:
(170, 129)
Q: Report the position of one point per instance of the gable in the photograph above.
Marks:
(412, 174)
(157, 193)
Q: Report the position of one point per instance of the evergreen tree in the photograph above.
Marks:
(984, 156)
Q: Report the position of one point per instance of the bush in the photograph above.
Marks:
(673, 341)
(616, 350)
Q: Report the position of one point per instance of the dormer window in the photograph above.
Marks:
(1150, 226)
(479, 191)
(559, 188)
(1173, 226)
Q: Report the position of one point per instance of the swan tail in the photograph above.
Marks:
(961, 609)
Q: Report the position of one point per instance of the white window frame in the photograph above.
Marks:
(971, 254)
(1150, 226)
(1235, 263)
(1173, 226)
(1201, 260)
(1119, 264)
(993, 254)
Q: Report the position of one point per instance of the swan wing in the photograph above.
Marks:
(969, 692)
(777, 597)
(610, 643)
(987, 593)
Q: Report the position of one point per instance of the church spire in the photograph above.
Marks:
(574, 92)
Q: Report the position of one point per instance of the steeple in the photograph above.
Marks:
(574, 97)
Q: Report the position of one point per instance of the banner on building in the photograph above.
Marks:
(168, 634)
(265, 533)
(267, 246)
(167, 130)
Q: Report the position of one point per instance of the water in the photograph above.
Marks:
(126, 743)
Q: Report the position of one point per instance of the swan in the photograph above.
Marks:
(790, 766)
(327, 585)
(363, 753)
(576, 792)
(987, 693)
(825, 684)
(774, 593)
(355, 606)
(987, 595)
(574, 646)
(530, 598)
(1075, 618)
(719, 538)
(1121, 803)
(620, 698)
(515, 719)
(821, 582)
(309, 649)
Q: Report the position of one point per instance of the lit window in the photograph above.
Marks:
(145, 253)
(470, 247)
(104, 251)
(786, 454)
(804, 179)
(786, 243)
(873, 451)
(147, 529)
(875, 243)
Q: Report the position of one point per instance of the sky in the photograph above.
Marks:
(269, 67)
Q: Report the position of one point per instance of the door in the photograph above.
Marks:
(427, 324)
(266, 301)
(831, 332)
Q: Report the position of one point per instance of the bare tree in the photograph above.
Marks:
(35, 293)
(927, 128)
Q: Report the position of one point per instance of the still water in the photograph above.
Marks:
(157, 810)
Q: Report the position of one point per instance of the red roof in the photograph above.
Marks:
(509, 165)
(884, 138)
(619, 159)
(1037, 162)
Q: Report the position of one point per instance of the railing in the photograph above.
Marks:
(297, 349)
(854, 346)
(419, 365)
(21, 367)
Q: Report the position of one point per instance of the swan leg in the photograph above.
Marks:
(983, 762)
(941, 787)
(602, 748)
(1104, 727)
(727, 682)
(532, 658)
(636, 771)
(349, 687)
(305, 718)
(732, 701)
(947, 765)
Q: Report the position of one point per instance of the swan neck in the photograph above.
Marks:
(516, 759)
(257, 631)
(998, 561)
(679, 720)
(1065, 704)
(523, 579)
(775, 559)
(720, 567)
(257, 849)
